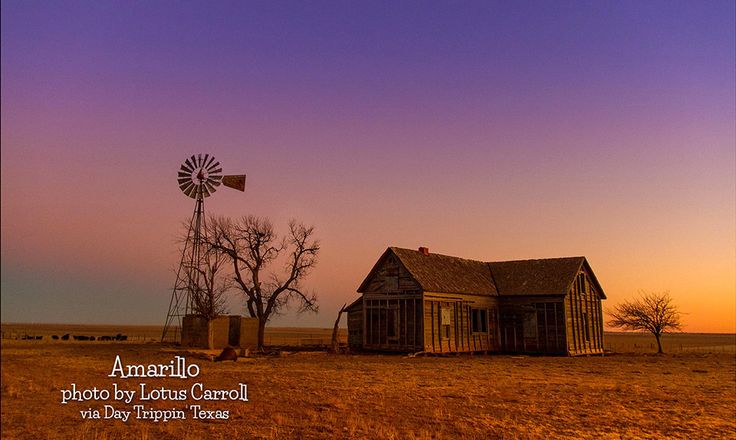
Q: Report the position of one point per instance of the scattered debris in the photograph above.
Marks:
(228, 354)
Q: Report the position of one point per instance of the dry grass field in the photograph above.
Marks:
(671, 343)
(685, 394)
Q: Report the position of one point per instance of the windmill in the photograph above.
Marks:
(199, 176)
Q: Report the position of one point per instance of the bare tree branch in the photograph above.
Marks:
(252, 246)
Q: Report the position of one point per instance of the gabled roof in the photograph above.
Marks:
(594, 279)
(446, 274)
(549, 276)
(441, 273)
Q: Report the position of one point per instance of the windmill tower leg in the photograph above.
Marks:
(187, 277)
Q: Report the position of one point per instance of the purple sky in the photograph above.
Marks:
(494, 130)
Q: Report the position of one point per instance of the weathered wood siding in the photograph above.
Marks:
(448, 323)
(533, 325)
(391, 277)
(392, 322)
(355, 326)
(392, 309)
(584, 317)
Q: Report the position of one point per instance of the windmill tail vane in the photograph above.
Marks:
(198, 177)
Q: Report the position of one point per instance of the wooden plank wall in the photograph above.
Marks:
(391, 277)
(460, 337)
(392, 297)
(533, 324)
(355, 327)
(402, 312)
(584, 336)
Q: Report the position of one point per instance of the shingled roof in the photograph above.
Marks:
(549, 276)
(446, 274)
(441, 273)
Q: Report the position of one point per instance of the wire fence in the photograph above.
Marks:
(669, 348)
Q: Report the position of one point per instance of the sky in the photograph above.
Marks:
(486, 130)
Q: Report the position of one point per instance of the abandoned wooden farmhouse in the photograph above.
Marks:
(414, 300)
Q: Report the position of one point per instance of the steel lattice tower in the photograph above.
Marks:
(199, 176)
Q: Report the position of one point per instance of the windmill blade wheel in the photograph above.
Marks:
(197, 177)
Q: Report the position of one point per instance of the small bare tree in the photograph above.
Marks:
(253, 246)
(336, 329)
(652, 312)
(207, 280)
(209, 285)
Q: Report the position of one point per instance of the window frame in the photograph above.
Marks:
(479, 320)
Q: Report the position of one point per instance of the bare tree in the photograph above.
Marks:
(253, 246)
(652, 312)
(336, 329)
(207, 280)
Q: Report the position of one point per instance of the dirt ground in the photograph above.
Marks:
(316, 395)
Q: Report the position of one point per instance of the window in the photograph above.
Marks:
(391, 275)
(585, 326)
(479, 320)
(446, 331)
(529, 324)
(581, 283)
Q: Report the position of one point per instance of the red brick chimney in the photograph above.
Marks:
(424, 250)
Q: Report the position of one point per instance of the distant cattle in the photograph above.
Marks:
(228, 354)
(118, 337)
(67, 337)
